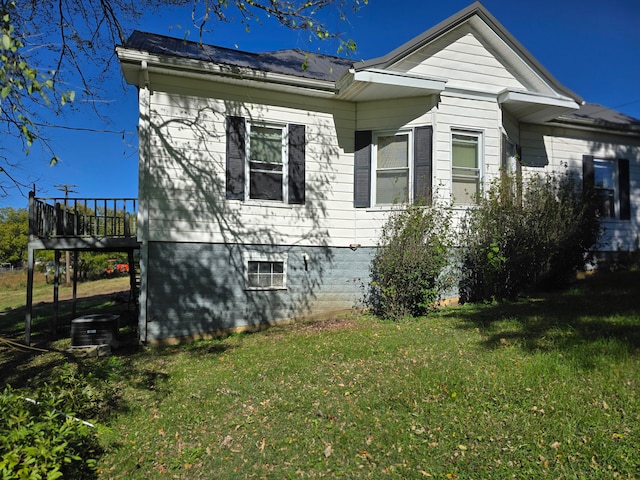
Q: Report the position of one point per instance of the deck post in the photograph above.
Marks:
(75, 283)
(30, 264)
(56, 288)
(29, 313)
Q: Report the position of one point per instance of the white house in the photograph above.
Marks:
(263, 185)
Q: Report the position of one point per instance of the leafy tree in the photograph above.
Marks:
(14, 235)
(49, 47)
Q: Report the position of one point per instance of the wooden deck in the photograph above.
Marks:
(79, 224)
(82, 223)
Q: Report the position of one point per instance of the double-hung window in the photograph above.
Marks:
(392, 168)
(605, 174)
(267, 162)
(609, 179)
(465, 167)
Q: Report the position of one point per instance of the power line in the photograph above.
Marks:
(84, 129)
(67, 189)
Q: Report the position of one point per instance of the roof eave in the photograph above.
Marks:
(375, 84)
(528, 107)
(597, 125)
(131, 62)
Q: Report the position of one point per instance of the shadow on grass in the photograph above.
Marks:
(29, 368)
(24, 367)
(600, 314)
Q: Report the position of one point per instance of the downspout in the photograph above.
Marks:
(144, 105)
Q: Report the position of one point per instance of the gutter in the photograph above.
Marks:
(196, 69)
(595, 126)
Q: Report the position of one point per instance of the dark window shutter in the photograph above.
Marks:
(588, 173)
(296, 164)
(422, 165)
(362, 169)
(623, 183)
(505, 147)
(236, 151)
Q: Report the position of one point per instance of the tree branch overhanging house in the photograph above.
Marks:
(263, 184)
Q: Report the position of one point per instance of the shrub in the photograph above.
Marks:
(408, 269)
(78, 391)
(526, 234)
(37, 441)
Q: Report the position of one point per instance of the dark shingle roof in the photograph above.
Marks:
(288, 62)
(594, 113)
(327, 68)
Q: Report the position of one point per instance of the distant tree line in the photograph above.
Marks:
(14, 240)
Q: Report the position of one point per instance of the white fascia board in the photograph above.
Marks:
(131, 62)
(513, 96)
(531, 107)
(354, 84)
(385, 77)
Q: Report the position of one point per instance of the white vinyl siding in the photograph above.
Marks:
(464, 61)
(182, 185)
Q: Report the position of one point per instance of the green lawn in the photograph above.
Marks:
(547, 387)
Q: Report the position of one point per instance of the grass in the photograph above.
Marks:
(546, 387)
(13, 286)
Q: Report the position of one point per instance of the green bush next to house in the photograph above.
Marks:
(526, 234)
(408, 269)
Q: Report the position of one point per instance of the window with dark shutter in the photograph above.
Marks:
(391, 162)
(609, 181)
(276, 171)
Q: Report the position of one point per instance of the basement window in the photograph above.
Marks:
(265, 271)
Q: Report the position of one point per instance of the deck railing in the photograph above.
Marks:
(83, 217)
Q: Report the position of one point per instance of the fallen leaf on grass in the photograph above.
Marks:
(228, 440)
(328, 451)
(261, 444)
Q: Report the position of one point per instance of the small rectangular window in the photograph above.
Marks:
(265, 271)
(265, 274)
(465, 168)
(392, 169)
(267, 162)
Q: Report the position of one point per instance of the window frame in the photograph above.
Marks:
(264, 258)
(409, 134)
(479, 136)
(615, 186)
(285, 161)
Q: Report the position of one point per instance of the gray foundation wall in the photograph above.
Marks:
(196, 289)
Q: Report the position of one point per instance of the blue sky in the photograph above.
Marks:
(590, 46)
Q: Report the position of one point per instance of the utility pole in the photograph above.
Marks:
(66, 188)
